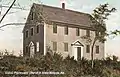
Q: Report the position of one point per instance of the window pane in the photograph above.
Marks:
(66, 30)
(88, 33)
(26, 34)
(37, 28)
(54, 28)
(87, 48)
(55, 46)
(77, 32)
(65, 46)
(31, 31)
(37, 46)
(97, 49)
(32, 16)
(96, 33)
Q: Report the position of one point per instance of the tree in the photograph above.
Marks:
(7, 10)
(98, 17)
(14, 3)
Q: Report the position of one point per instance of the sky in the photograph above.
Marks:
(11, 37)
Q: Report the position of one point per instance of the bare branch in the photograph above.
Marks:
(16, 24)
(12, 24)
(13, 7)
(7, 11)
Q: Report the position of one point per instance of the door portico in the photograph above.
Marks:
(32, 49)
(77, 50)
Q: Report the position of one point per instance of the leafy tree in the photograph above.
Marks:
(98, 17)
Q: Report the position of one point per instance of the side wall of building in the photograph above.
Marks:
(61, 38)
(37, 37)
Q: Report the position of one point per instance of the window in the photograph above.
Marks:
(66, 30)
(87, 48)
(31, 31)
(37, 28)
(65, 46)
(32, 16)
(77, 32)
(96, 33)
(97, 49)
(26, 49)
(37, 46)
(87, 33)
(54, 28)
(26, 34)
(55, 46)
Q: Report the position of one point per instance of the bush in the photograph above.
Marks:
(55, 62)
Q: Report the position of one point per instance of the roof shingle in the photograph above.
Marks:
(64, 15)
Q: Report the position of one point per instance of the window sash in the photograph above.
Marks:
(65, 46)
(32, 32)
(37, 46)
(77, 32)
(97, 49)
(96, 33)
(55, 46)
(66, 30)
(88, 33)
(54, 28)
(26, 34)
(87, 48)
(32, 16)
(37, 28)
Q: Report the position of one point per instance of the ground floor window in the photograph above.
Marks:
(55, 46)
(37, 46)
(66, 47)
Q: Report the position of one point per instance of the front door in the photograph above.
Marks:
(78, 53)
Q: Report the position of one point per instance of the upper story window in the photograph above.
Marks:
(96, 33)
(26, 34)
(31, 30)
(32, 15)
(54, 28)
(66, 30)
(65, 46)
(55, 46)
(77, 32)
(87, 48)
(97, 49)
(37, 28)
(88, 33)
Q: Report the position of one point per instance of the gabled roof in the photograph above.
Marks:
(64, 15)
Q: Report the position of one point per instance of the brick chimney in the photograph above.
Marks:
(63, 5)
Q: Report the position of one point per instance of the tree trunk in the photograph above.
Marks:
(7, 10)
(92, 51)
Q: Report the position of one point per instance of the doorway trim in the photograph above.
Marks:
(75, 45)
(32, 49)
